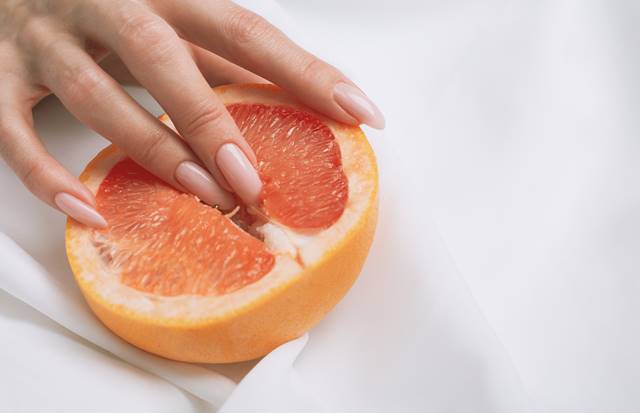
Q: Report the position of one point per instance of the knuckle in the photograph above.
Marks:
(312, 69)
(83, 83)
(243, 26)
(79, 82)
(208, 114)
(48, 52)
(141, 26)
(150, 151)
(32, 174)
(34, 33)
(158, 54)
(145, 33)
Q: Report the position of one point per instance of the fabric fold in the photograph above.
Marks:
(29, 282)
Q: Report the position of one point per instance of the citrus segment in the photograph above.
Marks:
(299, 162)
(156, 238)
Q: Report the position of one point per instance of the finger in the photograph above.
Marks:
(250, 41)
(99, 101)
(158, 58)
(219, 71)
(39, 171)
(215, 69)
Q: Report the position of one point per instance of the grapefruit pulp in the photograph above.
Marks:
(183, 280)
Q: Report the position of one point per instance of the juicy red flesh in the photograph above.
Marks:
(299, 162)
(166, 243)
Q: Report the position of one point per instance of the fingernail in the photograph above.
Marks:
(79, 210)
(358, 105)
(200, 183)
(239, 172)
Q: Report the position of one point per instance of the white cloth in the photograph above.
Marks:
(512, 126)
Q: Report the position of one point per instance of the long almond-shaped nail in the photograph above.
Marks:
(358, 105)
(78, 210)
(239, 172)
(200, 183)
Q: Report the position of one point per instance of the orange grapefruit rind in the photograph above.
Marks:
(312, 272)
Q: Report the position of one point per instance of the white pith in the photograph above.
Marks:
(292, 250)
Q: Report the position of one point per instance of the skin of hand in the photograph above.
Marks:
(175, 49)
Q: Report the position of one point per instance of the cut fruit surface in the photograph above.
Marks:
(181, 279)
(299, 162)
(157, 235)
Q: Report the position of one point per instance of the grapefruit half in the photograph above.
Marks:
(183, 280)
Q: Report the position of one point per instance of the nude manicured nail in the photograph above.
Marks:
(200, 183)
(358, 105)
(239, 172)
(78, 210)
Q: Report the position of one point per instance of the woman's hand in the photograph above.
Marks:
(172, 48)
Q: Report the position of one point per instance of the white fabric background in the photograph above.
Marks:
(503, 276)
